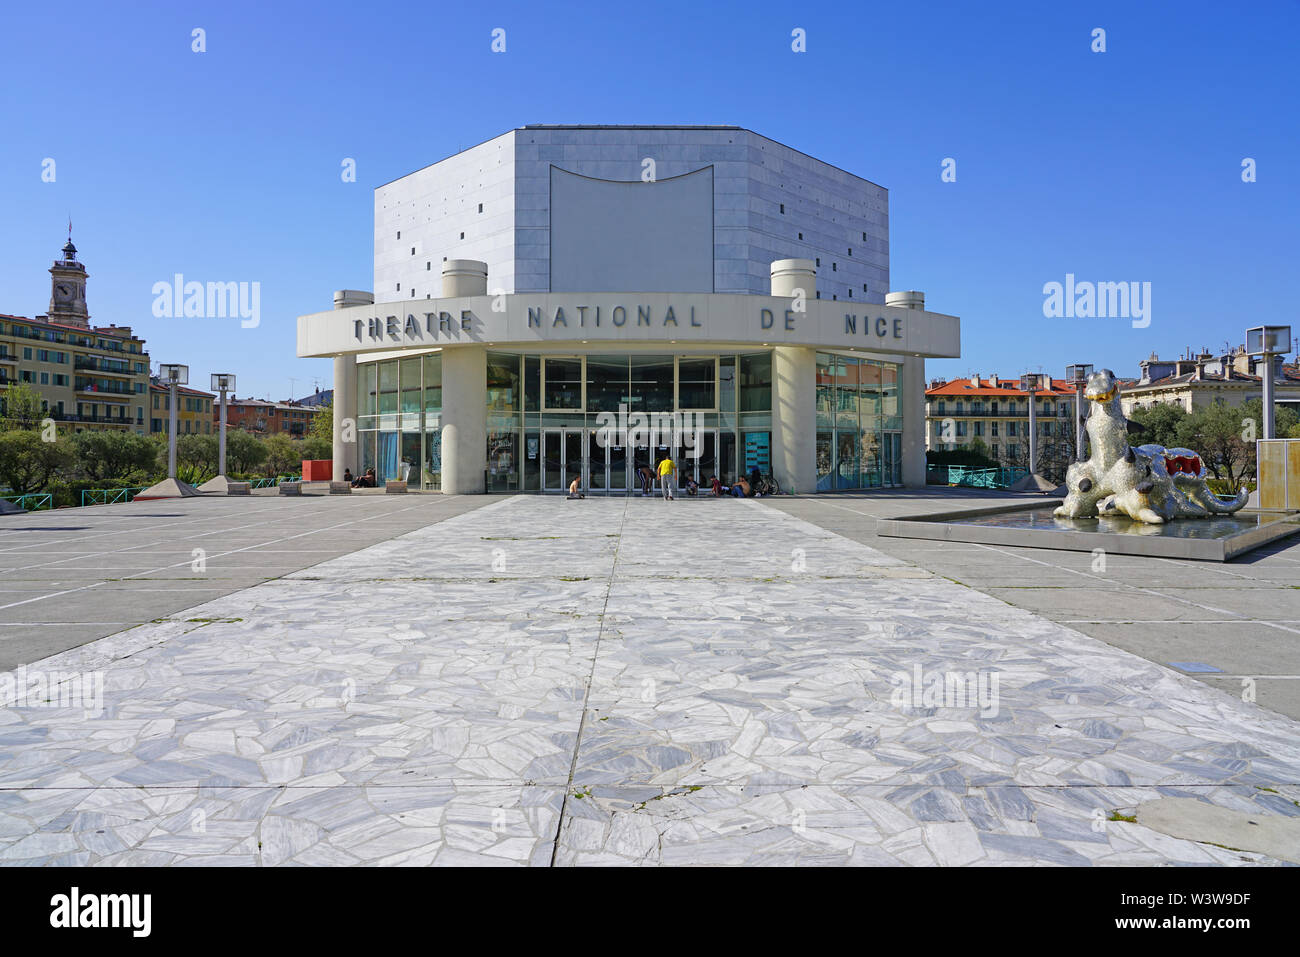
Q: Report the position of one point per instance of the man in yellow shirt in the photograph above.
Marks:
(667, 476)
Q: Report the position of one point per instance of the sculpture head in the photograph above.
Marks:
(1102, 386)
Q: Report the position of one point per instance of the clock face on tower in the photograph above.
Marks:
(63, 290)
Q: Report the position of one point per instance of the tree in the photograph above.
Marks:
(322, 426)
(314, 447)
(21, 407)
(27, 462)
(1252, 414)
(1216, 433)
(283, 454)
(109, 454)
(196, 457)
(1159, 424)
(244, 452)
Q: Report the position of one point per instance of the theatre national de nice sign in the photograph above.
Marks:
(559, 317)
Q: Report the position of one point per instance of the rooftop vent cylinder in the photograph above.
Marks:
(464, 277)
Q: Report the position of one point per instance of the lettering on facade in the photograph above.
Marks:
(881, 326)
(444, 324)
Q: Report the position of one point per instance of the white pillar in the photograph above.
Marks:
(221, 442)
(794, 418)
(1266, 378)
(464, 419)
(171, 431)
(1033, 432)
(345, 408)
(912, 401)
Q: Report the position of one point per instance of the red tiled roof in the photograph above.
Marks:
(1004, 387)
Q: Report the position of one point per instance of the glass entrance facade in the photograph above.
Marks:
(398, 420)
(545, 415)
(859, 423)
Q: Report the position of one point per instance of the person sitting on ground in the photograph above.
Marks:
(347, 477)
(741, 489)
(575, 487)
(692, 486)
(716, 485)
(368, 480)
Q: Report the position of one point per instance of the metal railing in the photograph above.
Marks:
(109, 496)
(967, 477)
(273, 482)
(32, 501)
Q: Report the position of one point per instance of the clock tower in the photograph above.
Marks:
(68, 289)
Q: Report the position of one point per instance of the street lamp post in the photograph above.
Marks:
(1032, 382)
(173, 376)
(1267, 342)
(222, 382)
(1079, 375)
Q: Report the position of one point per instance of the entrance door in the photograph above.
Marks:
(700, 462)
(599, 464)
(563, 458)
(553, 461)
(619, 479)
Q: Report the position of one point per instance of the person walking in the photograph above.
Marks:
(667, 476)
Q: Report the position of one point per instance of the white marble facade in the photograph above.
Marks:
(843, 218)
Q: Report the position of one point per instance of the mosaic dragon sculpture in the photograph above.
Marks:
(1149, 483)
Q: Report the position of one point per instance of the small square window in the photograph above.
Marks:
(850, 250)
(412, 292)
(819, 260)
(783, 209)
(428, 266)
(801, 235)
(399, 234)
(864, 237)
(835, 298)
(480, 207)
(462, 235)
(819, 293)
(835, 267)
(399, 287)
(412, 250)
(864, 287)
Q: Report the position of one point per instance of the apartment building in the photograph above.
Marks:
(994, 411)
(88, 377)
(193, 410)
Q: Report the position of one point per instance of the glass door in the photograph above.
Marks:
(619, 479)
(553, 461)
(599, 476)
(575, 459)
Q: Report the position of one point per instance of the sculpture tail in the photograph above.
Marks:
(1225, 506)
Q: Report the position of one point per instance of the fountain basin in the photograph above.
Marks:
(1216, 539)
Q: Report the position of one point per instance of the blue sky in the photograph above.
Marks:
(1115, 166)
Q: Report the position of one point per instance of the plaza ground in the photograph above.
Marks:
(426, 679)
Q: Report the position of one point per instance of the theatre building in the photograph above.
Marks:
(564, 302)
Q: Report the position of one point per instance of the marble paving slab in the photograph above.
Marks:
(624, 681)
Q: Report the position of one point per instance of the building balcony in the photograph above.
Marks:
(92, 388)
(106, 366)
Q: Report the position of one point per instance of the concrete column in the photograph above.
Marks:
(464, 277)
(464, 419)
(794, 418)
(791, 274)
(345, 407)
(912, 398)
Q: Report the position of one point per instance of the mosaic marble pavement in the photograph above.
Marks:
(623, 682)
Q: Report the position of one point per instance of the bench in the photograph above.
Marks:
(395, 488)
(340, 488)
(290, 488)
(239, 488)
